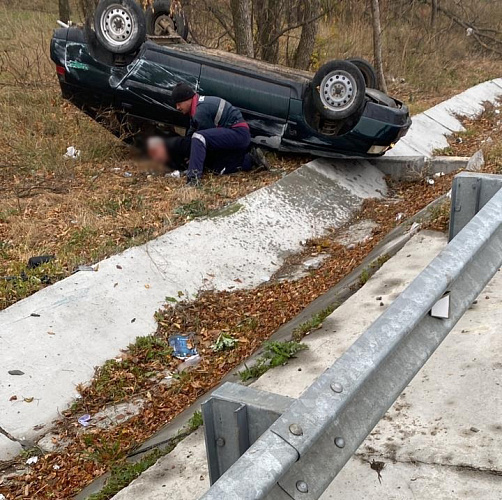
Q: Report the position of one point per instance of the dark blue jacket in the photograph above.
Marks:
(212, 112)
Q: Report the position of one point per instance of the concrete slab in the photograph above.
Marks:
(430, 128)
(445, 118)
(405, 148)
(458, 391)
(411, 482)
(94, 315)
(413, 168)
(10, 449)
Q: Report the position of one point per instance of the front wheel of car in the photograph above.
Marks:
(120, 25)
(338, 90)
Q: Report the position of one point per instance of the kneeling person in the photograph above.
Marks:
(215, 125)
(175, 153)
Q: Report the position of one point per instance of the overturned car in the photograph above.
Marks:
(116, 69)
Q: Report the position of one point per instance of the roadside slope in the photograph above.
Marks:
(441, 439)
(87, 318)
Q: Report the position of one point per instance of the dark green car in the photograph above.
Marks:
(113, 67)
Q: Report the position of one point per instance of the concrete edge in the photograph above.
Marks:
(415, 168)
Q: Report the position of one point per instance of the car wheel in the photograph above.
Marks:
(338, 90)
(368, 71)
(160, 13)
(120, 25)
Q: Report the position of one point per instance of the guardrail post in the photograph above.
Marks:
(470, 193)
(234, 418)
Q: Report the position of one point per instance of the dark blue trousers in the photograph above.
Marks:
(228, 147)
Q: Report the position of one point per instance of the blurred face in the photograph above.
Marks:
(158, 152)
(185, 106)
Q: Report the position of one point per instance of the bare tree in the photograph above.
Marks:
(64, 10)
(268, 24)
(87, 8)
(243, 26)
(377, 44)
(434, 13)
(310, 10)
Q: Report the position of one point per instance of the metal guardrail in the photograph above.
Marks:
(261, 445)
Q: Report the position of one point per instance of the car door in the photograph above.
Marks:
(146, 91)
(263, 102)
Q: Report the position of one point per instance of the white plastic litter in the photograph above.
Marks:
(399, 216)
(415, 227)
(2, 497)
(32, 460)
(176, 174)
(72, 152)
(431, 182)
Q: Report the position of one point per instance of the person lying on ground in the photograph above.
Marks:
(217, 126)
(175, 153)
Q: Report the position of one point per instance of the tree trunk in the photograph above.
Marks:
(64, 10)
(87, 8)
(243, 28)
(268, 22)
(434, 13)
(377, 44)
(306, 44)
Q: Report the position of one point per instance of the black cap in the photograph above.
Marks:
(182, 92)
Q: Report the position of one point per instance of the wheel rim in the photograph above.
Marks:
(338, 90)
(117, 25)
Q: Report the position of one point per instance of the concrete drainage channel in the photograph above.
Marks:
(93, 318)
(386, 249)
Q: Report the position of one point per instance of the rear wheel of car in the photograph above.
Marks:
(160, 20)
(368, 71)
(338, 90)
(120, 25)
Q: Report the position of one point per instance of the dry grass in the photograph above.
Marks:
(84, 210)
(423, 66)
(79, 210)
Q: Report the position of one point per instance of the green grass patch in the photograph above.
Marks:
(192, 210)
(369, 271)
(274, 354)
(313, 323)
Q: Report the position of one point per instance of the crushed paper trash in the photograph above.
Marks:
(72, 152)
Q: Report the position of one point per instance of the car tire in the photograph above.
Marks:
(162, 8)
(120, 25)
(338, 90)
(368, 71)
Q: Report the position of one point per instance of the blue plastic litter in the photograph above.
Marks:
(183, 346)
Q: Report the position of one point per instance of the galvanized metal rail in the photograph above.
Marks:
(311, 438)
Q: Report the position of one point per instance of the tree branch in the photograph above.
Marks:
(293, 27)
